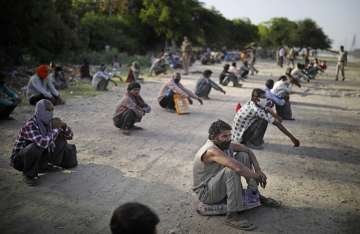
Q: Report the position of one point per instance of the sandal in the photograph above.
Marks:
(269, 202)
(240, 224)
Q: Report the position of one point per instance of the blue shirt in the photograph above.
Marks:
(274, 98)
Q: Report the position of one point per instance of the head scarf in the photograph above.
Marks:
(42, 71)
(43, 116)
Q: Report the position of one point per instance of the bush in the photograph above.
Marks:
(97, 31)
(106, 57)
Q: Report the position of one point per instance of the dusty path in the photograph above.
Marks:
(318, 183)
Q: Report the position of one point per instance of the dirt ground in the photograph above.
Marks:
(318, 183)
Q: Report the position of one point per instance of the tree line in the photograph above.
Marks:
(47, 29)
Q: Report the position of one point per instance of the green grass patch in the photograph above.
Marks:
(79, 88)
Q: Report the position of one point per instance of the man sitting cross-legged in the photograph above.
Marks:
(218, 167)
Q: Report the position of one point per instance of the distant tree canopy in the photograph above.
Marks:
(44, 29)
(281, 31)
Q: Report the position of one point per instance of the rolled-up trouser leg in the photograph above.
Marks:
(255, 133)
(226, 184)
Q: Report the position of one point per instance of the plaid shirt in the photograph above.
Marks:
(30, 133)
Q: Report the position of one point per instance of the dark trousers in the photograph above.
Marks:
(55, 100)
(168, 101)
(31, 159)
(255, 133)
(126, 120)
(284, 111)
(6, 111)
(102, 85)
(244, 73)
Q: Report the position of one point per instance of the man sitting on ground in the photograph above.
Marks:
(40, 87)
(251, 121)
(8, 99)
(282, 103)
(42, 143)
(217, 170)
(133, 73)
(298, 73)
(85, 70)
(101, 79)
(131, 109)
(133, 218)
(173, 86)
(57, 77)
(204, 85)
(226, 76)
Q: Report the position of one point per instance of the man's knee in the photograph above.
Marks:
(232, 175)
(244, 158)
(33, 149)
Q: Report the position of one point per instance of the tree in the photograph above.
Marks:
(170, 19)
(101, 30)
(281, 31)
(309, 34)
(243, 32)
(33, 27)
(211, 28)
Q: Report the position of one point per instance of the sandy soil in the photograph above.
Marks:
(318, 183)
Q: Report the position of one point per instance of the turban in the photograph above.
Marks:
(42, 71)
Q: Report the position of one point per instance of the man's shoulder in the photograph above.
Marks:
(34, 77)
(30, 123)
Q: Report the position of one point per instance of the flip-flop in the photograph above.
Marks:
(240, 224)
(269, 202)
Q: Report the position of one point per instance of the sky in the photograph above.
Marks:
(340, 19)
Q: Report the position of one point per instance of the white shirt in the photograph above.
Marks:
(233, 70)
(282, 52)
(98, 76)
(281, 88)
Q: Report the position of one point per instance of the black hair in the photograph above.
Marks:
(133, 218)
(269, 84)
(283, 78)
(218, 127)
(257, 93)
(226, 67)
(234, 64)
(133, 85)
(207, 72)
